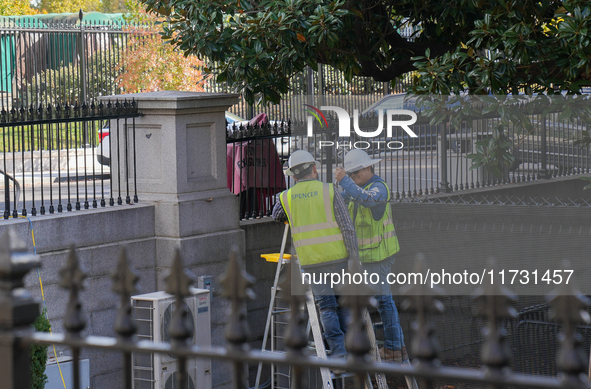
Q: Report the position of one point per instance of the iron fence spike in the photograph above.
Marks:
(423, 300)
(124, 279)
(357, 297)
(569, 307)
(495, 302)
(72, 279)
(10, 244)
(294, 291)
(178, 280)
(178, 283)
(236, 284)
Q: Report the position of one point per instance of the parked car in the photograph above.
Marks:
(102, 150)
(427, 135)
(394, 101)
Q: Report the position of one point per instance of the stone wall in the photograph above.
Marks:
(98, 236)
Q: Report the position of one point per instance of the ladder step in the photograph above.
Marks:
(344, 375)
(272, 352)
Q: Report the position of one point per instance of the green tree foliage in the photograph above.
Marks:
(69, 6)
(16, 7)
(23, 7)
(62, 84)
(148, 64)
(113, 6)
(136, 14)
(39, 354)
(482, 46)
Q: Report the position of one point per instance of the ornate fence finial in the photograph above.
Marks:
(19, 310)
(125, 279)
(294, 291)
(422, 299)
(569, 308)
(236, 288)
(72, 279)
(178, 283)
(358, 297)
(495, 305)
(15, 263)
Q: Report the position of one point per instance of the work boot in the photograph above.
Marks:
(389, 355)
(337, 372)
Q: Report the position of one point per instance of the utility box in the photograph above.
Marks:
(153, 315)
(66, 365)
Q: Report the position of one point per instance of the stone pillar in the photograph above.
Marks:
(181, 168)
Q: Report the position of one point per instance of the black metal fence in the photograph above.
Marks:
(49, 63)
(438, 161)
(324, 81)
(45, 62)
(58, 158)
(495, 306)
(255, 155)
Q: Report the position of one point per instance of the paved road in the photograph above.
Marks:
(403, 171)
(56, 188)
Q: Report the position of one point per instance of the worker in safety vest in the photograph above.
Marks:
(367, 197)
(323, 236)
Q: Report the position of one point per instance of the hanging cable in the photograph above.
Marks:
(43, 298)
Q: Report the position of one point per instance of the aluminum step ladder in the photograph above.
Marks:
(314, 327)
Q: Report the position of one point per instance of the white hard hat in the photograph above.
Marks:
(299, 161)
(358, 159)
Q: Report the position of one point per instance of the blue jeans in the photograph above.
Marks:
(393, 337)
(333, 316)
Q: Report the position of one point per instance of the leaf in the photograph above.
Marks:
(301, 37)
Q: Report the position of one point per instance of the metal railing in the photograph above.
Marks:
(255, 155)
(58, 158)
(45, 62)
(495, 307)
(49, 63)
(324, 81)
(438, 160)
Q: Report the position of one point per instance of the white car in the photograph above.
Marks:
(102, 150)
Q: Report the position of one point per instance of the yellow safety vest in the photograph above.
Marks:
(376, 239)
(316, 235)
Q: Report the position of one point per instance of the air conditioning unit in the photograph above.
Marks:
(153, 315)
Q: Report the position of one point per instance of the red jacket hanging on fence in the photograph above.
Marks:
(254, 164)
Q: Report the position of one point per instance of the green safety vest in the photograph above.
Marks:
(376, 239)
(316, 235)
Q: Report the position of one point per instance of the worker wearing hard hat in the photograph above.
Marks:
(323, 236)
(367, 197)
